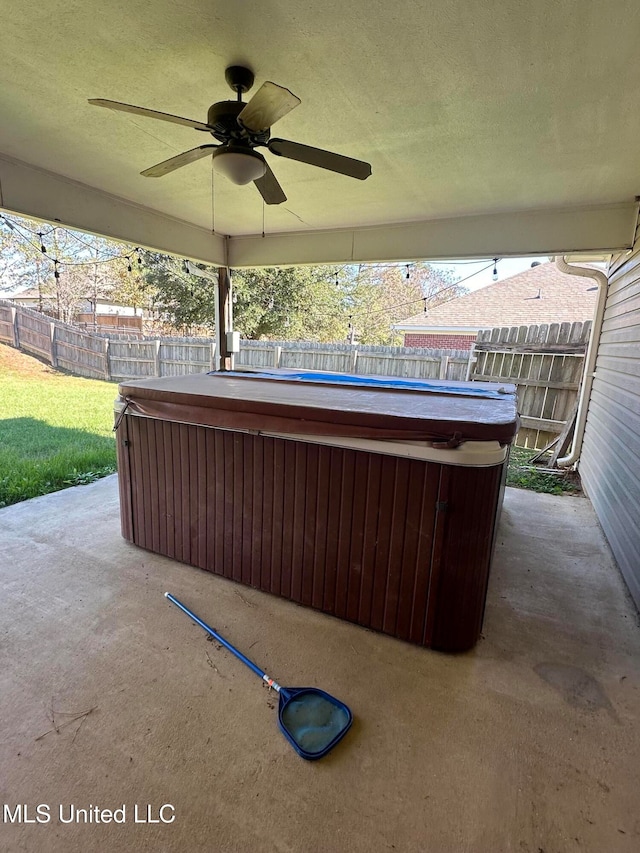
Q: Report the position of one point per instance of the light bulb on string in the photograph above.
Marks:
(495, 269)
(408, 273)
(43, 248)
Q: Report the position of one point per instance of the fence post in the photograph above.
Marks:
(277, 355)
(52, 334)
(14, 321)
(354, 360)
(444, 364)
(471, 362)
(157, 357)
(107, 366)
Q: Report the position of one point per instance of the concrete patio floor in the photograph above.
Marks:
(529, 743)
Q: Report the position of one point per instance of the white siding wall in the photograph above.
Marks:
(610, 463)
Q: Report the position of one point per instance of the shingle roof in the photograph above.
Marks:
(541, 294)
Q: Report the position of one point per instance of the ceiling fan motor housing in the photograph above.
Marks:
(223, 118)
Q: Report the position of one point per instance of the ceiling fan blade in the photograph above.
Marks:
(143, 111)
(270, 189)
(319, 157)
(270, 103)
(176, 162)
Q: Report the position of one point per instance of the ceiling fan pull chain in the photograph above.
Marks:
(213, 199)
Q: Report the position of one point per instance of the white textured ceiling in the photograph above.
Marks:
(462, 108)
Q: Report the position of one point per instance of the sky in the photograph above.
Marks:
(506, 268)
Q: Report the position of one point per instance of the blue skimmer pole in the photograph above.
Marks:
(245, 660)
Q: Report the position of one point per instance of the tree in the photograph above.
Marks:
(131, 289)
(23, 263)
(295, 303)
(184, 300)
(315, 303)
(380, 295)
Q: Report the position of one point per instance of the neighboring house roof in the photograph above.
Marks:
(541, 294)
(28, 293)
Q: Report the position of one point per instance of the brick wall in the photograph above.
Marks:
(447, 341)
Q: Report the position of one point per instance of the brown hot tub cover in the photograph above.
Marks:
(277, 401)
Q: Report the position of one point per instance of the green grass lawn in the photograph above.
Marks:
(55, 429)
(522, 474)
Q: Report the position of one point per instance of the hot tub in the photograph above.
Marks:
(372, 499)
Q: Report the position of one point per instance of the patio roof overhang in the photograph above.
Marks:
(491, 132)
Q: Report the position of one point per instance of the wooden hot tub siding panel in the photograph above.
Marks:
(472, 499)
(356, 535)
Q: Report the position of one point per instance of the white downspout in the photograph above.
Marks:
(590, 358)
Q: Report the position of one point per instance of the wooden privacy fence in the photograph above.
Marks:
(59, 343)
(118, 356)
(356, 358)
(545, 362)
(177, 356)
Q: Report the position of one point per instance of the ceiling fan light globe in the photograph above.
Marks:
(240, 168)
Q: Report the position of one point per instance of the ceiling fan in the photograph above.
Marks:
(241, 128)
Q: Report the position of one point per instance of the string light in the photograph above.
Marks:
(424, 299)
(42, 248)
(20, 231)
(368, 314)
